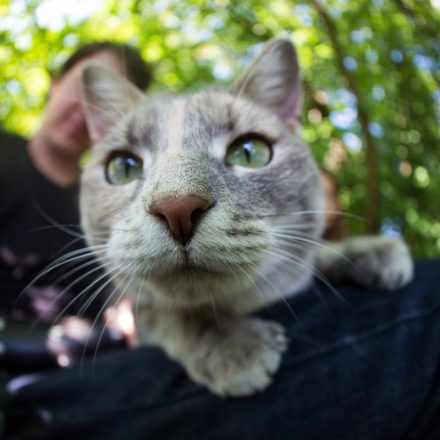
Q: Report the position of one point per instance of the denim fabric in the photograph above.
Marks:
(361, 365)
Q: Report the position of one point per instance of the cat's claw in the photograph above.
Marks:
(242, 361)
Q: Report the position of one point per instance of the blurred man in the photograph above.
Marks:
(39, 219)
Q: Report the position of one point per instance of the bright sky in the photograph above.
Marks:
(51, 14)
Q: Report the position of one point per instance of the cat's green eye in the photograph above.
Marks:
(249, 152)
(122, 168)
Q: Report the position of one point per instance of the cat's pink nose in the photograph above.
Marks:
(180, 214)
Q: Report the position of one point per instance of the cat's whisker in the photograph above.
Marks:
(314, 243)
(294, 232)
(123, 230)
(68, 261)
(100, 312)
(83, 253)
(295, 223)
(234, 274)
(290, 264)
(61, 253)
(150, 269)
(301, 337)
(63, 227)
(76, 297)
(84, 250)
(95, 294)
(296, 227)
(316, 273)
(304, 213)
(111, 313)
(78, 268)
(281, 296)
(102, 237)
(77, 252)
(314, 287)
(54, 223)
(136, 308)
(251, 279)
(215, 311)
(295, 239)
(279, 253)
(291, 311)
(107, 281)
(138, 270)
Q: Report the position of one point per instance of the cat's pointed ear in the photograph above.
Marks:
(273, 80)
(107, 96)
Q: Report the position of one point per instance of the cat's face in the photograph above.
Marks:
(190, 195)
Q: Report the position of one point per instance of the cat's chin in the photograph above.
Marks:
(190, 274)
(192, 285)
(192, 270)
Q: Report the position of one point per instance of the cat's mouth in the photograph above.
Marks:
(189, 267)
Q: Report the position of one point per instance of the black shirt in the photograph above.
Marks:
(38, 223)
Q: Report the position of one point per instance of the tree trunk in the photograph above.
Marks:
(371, 155)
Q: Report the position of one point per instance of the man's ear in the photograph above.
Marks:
(107, 97)
(273, 81)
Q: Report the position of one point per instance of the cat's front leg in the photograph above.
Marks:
(371, 261)
(231, 356)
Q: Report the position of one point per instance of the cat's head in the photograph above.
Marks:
(200, 197)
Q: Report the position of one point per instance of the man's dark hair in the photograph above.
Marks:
(136, 69)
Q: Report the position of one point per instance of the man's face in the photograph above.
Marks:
(64, 123)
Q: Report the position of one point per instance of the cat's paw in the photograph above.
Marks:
(239, 359)
(380, 262)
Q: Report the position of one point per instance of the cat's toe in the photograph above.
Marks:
(251, 379)
(244, 363)
(398, 273)
(382, 262)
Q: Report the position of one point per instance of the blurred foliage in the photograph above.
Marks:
(370, 68)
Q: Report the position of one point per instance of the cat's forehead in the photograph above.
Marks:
(192, 122)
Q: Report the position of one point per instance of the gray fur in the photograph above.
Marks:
(192, 300)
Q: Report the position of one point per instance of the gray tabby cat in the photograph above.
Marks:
(206, 207)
